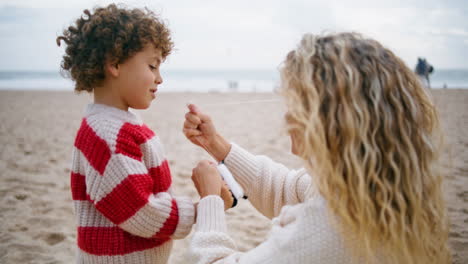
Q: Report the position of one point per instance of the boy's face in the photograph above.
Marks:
(139, 78)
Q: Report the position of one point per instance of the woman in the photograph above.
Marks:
(367, 132)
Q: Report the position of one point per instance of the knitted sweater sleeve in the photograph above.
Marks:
(122, 188)
(212, 244)
(269, 185)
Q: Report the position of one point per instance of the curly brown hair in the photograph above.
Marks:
(110, 34)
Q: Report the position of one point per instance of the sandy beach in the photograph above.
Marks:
(37, 131)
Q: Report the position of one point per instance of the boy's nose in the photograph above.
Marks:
(158, 80)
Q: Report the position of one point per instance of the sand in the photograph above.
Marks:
(37, 130)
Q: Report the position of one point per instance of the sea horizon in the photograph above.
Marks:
(200, 80)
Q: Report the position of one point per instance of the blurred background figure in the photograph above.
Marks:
(423, 69)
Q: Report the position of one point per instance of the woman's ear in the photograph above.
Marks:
(112, 69)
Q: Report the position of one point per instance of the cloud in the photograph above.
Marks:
(247, 34)
(458, 32)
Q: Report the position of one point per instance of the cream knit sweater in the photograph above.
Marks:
(302, 231)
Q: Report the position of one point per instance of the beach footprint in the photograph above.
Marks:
(52, 238)
(463, 196)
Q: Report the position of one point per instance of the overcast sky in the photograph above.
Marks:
(248, 34)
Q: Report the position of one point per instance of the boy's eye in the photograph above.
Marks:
(152, 67)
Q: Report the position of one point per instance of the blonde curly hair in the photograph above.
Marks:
(370, 132)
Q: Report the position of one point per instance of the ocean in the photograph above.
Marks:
(200, 80)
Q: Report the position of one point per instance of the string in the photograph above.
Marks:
(231, 103)
(243, 102)
(231, 182)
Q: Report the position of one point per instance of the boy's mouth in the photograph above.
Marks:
(153, 92)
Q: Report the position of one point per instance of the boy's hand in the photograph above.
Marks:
(200, 130)
(207, 179)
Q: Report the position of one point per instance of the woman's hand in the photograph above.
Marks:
(200, 130)
(208, 181)
(198, 127)
(227, 197)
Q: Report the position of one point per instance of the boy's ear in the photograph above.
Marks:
(113, 69)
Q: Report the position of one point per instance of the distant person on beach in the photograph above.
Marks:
(423, 70)
(369, 191)
(120, 178)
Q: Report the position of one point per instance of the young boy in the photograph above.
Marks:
(120, 179)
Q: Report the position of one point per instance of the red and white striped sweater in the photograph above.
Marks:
(120, 183)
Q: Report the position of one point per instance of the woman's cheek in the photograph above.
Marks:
(293, 144)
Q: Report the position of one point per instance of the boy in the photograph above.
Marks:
(120, 179)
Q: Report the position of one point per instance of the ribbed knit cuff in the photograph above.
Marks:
(210, 214)
(243, 166)
(186, 210)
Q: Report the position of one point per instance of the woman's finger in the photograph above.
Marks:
(192, 118)
(227, 197)
(205, 127)
(190, 132)
(204, 118)
(188, 124)
(195, 110)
